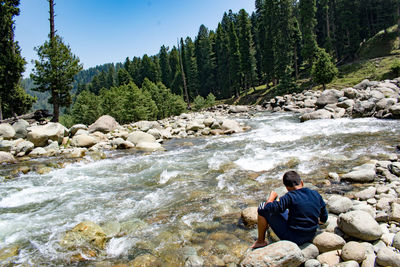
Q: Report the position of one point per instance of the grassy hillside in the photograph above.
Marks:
(376, 56)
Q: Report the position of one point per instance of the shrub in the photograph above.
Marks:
(198, 103)
(395, 68)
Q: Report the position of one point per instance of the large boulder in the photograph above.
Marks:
(363, 85)
(317, 115)
(338, 204)
(86, 234)
(249, 216)
(144, 126)
(149, 146)
(83, 141)
(21, 128)
(6, 157)
(231, 126)
(329, 97)
(361, 174)
(104, 124)
(77, 127)
(354, 251)
(310, 251)
(387, 257)
(238, 109)
(363, 109)
(360, 224)
(282, 253)
(137, 137)
(328, 241)
(7, 131)
(395, 110)
(7, 145)
(24, 146)
(40, 135)
(385, 103)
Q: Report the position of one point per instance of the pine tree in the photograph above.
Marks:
(235, 73)
(165, 66)
(192, 71)
(222, 59)
(270, 15)
(11, 64)
(55, 69)
(247, 51)
(123, 77)
(308, 23)
(176, 76)
(323, 70)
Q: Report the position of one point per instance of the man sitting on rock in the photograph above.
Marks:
(295, 216)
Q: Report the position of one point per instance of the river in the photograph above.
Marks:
(187, 199)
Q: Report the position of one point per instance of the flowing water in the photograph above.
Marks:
(186, 200)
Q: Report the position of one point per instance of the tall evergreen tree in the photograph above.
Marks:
(271, 19)
(235, 72)
(222, 59)
(176, 76)
(11, 64)
(308, 23)
(247, 51)
(165, 66)
(192, 71)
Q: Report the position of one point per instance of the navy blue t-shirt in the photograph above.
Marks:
(305, 207)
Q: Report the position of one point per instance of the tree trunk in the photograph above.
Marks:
(56, 106)
(296, 68)
(54, 94)
(52, 31)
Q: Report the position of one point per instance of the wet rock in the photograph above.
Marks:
(317, 115)
(312, 263)
(112, 228)
(147, 146)
(139, 137)
(7, 132)
(238, 109)
(6, 157)
(40, 135)
(328, 241)
(366, 193)
(338, 204)
(84, 234)
(75, 128)
(282, 253)
(361, 174)
(21, 128)
(9, 252)
(194, 261)
(310, 251)
(146, 260)
(104, 124)
(359, 224)
(231, 126)
(354, 251)
(387, 257)
(331, 258)
(249, 216)
(76, 153)
(83, 141)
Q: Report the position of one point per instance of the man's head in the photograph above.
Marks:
(292, 180)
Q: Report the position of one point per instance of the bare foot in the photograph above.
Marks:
(259, 244)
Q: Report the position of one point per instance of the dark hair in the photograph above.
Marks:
(291, 179)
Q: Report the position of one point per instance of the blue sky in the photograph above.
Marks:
(105, 31)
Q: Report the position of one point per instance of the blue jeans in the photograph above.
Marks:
(279, 224)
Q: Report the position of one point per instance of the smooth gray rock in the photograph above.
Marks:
(348, 264)
(396, 241)
(7, 145)
(40, 135)
(231, 126)
(354, 251)
(24, 146)
(327, 241)
(338, 204)
(364, 207)
(395, 212)
(282, 253)
(366, 193)
(359, 224)
(77, 127)
(149, 146)
(385, 103)
(238, 109)
(249, 216)
(363, 109)
(38, 151)
(7, 131)
(387, 257)
(83, 141)
(361, 174)
(329, 97)
(317, 115)
(312, 263)
(6, 157)
(139, 137)
(310, 251)
(104, 124)
(21, 128)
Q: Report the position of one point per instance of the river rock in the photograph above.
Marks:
(348, 264)
(309, 250)
(195, 126)
(363, 109)
(6, 157)
(385, 103)
(144, 126)
(8, 252)
(230, 126)
(331, 258)
(24, 146)
(312, 263)
(238, 109)
(76, 128)
(317, 115)
(21, 128)
(364, 207)
(122, 144)
(78, 152)
(395, 212)
(249, 216)
(154, 132)
(366, 193)
(349, 103)
(394, 168)
(7, 145)
(40, 135)
(139, 137)
(329, 97)
(353, 251)
(338, 204)
(350, 93)
(7, 131)
(361, 174)
(84, 234)
(38, 151)
(328, 241)
(359, 224)
(387, 257)
(194, 261)
(362, 85)
(146, 260)
(149, 146)
(396, 241)
(395, 110)
(83, 141)
(104, 124)
(282, 253)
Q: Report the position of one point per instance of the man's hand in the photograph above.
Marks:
(272, 196)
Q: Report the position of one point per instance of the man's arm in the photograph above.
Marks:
(272, 196)
(276, 206)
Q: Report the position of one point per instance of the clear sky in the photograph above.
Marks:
(108, 31)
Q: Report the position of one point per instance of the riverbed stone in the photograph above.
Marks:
(84, 234)
(7, 145)
(312, 263)
(366, 193)
(104, 124)
(364, 207)
(146, 260)
(24, 146)
(330, 96)
(338, 204)
(395, 212)
(394, 168)
(361, 174)
(310, 251)
(359, 224)
(249, 216)
(395, 110)
(317, 115)
(9, 252)
(396, 241)
(230, 126)
(38, 151)
(282, 253)
(83, 141)
(6, 157)
(331, 258)
(238, 109)
(7, 132)
(353, 251)
(327, 241)
(387, 257)
(40, 135)
(21, 128)
(75, 128)
(149, 146)
(139, 136)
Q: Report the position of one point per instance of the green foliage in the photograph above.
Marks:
(308, 22)
(198, 103)
(210, 100)
(86, 109)
(21, 102)
(123, 77)
(55, 71)
(323, 70)
(67, 120)
(395, 68)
